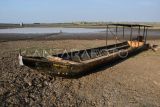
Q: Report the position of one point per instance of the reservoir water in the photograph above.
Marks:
(50, 30)
(73, 30)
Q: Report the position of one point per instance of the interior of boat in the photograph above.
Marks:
(92, 53)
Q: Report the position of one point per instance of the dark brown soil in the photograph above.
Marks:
(132, 83)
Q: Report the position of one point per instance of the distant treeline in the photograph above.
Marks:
(76, 24)
(4, 25)
(73, 24)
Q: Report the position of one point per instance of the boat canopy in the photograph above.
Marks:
(130, 25)
(141, 37)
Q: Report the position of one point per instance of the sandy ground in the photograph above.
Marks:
(134, 82)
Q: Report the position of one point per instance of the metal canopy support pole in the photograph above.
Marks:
(144, 32)
(107, 35)
(146, 35)
(116, 33)
(123, 32)
(131, 35)
(139, 33)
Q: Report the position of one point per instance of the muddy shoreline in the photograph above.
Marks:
(63, 36)
(124, 83)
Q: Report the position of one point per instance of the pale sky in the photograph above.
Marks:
(51, 11)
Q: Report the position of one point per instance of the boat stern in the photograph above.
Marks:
(20, 59)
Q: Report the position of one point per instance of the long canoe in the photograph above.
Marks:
(78, 62)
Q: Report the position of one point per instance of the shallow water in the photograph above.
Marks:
(50, 30)
(151, 33)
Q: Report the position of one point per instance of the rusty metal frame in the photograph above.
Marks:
(131, 26)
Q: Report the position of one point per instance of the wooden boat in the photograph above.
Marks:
(79, 62)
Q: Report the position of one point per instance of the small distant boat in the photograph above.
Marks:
(79, 62)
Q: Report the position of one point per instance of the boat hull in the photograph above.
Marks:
(63, 67)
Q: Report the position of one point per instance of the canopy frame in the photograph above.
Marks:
(131, 26)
